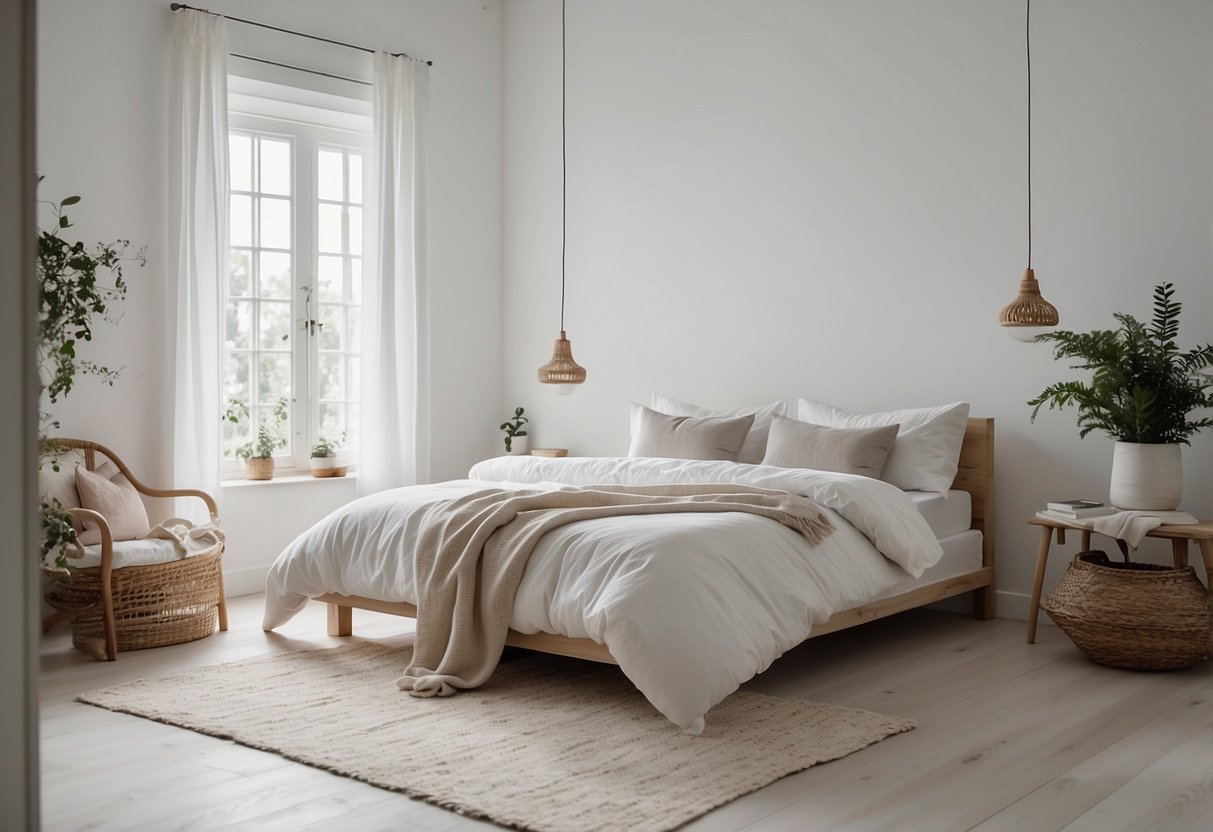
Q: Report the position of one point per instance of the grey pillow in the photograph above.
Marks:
(795, 444)
(687, 437)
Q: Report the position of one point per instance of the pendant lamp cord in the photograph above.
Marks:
(1028, 52)
(564, 167)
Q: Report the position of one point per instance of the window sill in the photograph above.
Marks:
(285, 479)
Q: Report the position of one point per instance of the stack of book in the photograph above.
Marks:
(1077, 509)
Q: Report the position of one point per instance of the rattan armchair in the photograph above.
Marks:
(137, 606)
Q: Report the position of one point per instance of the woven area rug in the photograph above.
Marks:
(546, 745)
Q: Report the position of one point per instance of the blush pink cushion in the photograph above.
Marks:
(107, 492)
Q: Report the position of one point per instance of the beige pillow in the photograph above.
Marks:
(107, 492)
(755, 443)
(687, 437)
(794, 444)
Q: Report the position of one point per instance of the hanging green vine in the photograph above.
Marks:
(73, 293)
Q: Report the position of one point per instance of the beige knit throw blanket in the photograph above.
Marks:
(472, 550)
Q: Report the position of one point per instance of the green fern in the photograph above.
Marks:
(1142, 388)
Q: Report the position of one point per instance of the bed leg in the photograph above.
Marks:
(341, 620)
(983, 603)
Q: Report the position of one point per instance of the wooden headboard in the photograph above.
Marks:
(976, 475)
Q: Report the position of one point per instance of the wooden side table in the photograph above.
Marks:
(1179, 536)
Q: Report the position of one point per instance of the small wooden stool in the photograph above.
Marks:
(1179, 536)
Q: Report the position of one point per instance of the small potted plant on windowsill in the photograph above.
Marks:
(324, 457)
(516, 440)
(258, 455)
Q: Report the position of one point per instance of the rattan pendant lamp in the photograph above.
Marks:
(1029, 314)
(562, 373)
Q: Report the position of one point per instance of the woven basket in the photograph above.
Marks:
(154, 605)
(1137, 615)
(259, 468)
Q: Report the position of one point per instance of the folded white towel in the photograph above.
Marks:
(1132, 526)
(187, 538)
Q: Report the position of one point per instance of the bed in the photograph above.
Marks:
(663, 669)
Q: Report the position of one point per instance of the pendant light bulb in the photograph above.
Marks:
(1027, 334)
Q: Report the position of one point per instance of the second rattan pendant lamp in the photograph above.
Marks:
(1029, 314)
(562, 373)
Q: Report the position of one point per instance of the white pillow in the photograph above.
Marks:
(926, 453)
(755, 446)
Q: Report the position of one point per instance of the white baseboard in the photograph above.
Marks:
(247, 581)
(1012, 605)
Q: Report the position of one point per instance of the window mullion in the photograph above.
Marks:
(305, 286)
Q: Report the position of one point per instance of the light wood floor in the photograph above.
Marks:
(1010, 737)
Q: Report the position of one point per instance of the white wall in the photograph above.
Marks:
(261, 518)
(779, 199)
(102, 115)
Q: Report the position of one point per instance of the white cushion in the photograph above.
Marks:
(755, 446)
(926, 453)
(131, 553)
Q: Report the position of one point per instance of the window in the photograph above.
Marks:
(294, 286)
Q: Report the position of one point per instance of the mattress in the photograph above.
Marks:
(961, 554)
(946, 514)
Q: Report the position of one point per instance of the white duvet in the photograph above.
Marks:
(690, 605)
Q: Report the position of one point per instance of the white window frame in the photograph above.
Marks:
(307, 140)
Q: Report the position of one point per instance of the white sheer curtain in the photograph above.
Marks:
(394, 442)
(198, 241)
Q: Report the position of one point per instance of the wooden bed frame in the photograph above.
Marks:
(976, 475)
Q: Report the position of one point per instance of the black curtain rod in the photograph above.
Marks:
(301, 69)
(178, 6)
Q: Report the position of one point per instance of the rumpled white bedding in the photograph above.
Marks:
(690, 606)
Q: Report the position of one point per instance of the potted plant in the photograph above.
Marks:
(258, 455)
(324, 456)
(1142, 393)
(72, 295)
(516, 440)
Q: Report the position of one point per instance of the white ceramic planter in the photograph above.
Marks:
(323, 466)
(1146, 477)
(520, 446)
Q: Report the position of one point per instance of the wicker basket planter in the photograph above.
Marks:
(154, 605)
(259, 468)
(1133, 615)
